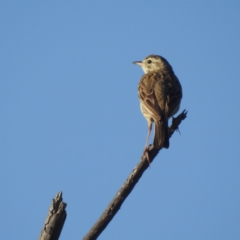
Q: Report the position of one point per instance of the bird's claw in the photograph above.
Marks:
(145, 154)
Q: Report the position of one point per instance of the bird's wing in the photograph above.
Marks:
(152, 94)
(161, 92)
(174, 96)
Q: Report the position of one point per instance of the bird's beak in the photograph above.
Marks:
(138, 63)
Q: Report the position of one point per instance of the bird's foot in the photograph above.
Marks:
(146, 155)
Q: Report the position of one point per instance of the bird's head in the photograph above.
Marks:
(153, 63)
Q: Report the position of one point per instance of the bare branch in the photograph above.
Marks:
(128, 186)
(55, 219)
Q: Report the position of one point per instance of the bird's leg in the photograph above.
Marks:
(148, 135)
(145, 152)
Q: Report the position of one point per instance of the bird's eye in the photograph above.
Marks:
(149, 61)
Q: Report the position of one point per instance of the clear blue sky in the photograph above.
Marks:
(70, 118)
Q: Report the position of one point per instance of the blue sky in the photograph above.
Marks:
(70, 118)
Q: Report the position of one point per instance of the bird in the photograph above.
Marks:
(160, 94)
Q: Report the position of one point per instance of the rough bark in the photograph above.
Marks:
(55, 219)
(128, 186)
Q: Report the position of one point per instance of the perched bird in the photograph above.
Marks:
(160, 94)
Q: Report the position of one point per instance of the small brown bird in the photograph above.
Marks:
(160, 94)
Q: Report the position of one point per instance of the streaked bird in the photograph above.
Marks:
(160, 94)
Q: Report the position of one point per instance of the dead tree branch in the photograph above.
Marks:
(128, 186)
(55, 219)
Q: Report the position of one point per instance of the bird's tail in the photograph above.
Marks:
(161, 134)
